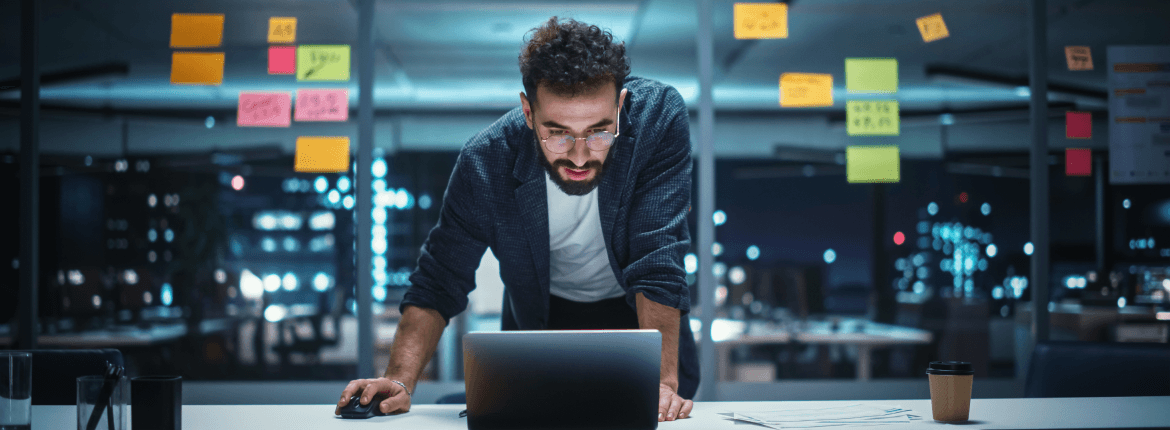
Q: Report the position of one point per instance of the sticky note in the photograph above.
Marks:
(197, 68)
(1078, 162)
(871, 75)
(322, 154)
(322, 105)
(196, 30)
(761, 20)
(282, 60)
(806, 89)
(872, 118)
(323, 63)
(258, 109)
(282, 30)
(1079, 57)
(872, 164)
(1078, 125)
(932, 28)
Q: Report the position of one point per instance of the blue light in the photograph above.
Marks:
(400, 198)
(719, 217)
(334, 196)
(753, 252)
(691, 263)
(320, 281)
(274, 313)
(1125, 203)
(152, 235)
(343, 184)
(1023, 91)
(166, 294)
(209, 122)
(1028, 248)
(830, 256)
(378, 168)
(169, 235)
(986, 209)
(379, 215)
(321, 184)
(932, 208)
(424, 202)
(992, 250)
(347, 202)
(379, 185)
(379, 293)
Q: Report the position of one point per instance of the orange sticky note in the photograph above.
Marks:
(197, 68)
(322, 154)
(1079, 57)
(932, 28)
(196, 30)
(761, 20)
(806, 89)
(282, 30)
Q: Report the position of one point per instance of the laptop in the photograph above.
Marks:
(562, 379)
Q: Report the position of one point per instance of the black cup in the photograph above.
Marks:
(950, 368)
(156, 403)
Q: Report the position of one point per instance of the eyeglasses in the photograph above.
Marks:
(599, 141)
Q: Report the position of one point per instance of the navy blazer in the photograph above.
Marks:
(497, 198)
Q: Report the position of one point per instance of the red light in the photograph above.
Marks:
(899, 238)
(238, 182)
(963, 197)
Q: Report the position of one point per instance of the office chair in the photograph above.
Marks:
(55, 372)
(1098, 369)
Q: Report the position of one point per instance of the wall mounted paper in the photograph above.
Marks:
(197, 68)
(323, 63)
(282, 30)
(264, 110)
(1078, 125)
(1139, 113)
(196, 30)
(322, 105)
(872, 118)
(872, 164)
(932, 28)
(1078, 162)
(282, 60)
(871, 75)
(322, 154)
(1078, 57)
(761, 20)
(806, 89)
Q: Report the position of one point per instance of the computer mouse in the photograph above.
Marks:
(356, 410)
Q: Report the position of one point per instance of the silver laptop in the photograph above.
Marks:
(562, 379)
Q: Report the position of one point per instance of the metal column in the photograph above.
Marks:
(708, 378)
(363, 179)
(30, 170)
(1038, 76)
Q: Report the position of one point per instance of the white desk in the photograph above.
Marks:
(1080, 413)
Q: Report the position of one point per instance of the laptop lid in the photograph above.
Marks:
(562, 379)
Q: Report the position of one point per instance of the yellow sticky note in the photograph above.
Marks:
(872, 118)
(761, 20)
(806, 89)
(872, 164)
(196, 30)
(197, 68)
(282, 30)
(322, 154)
(1079, 58)
(871, 75)
(932, 28)
(323, 63)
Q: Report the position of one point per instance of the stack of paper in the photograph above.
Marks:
(845, 415)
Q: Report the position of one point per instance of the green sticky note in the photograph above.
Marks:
(872, 164)
(323, 63)
(872, 118)
(871, 75)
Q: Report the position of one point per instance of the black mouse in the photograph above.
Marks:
(356, 410)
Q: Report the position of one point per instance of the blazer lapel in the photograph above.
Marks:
(532, 199)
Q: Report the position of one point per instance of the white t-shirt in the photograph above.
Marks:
(578, 264)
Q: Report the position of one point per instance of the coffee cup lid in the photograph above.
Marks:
(950, 368)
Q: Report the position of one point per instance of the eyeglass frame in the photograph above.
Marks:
(573, 144)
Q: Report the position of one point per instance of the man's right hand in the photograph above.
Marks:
(397, 402)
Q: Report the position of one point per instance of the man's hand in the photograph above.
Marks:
(671, 406)
(398, 401)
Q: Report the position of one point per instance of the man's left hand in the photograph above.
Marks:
(671, 406)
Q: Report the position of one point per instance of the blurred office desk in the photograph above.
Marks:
(862, 334)
(125, 336)
(1060, 413)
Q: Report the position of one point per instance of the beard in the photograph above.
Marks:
(570, 187)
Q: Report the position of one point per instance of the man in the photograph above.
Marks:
(594, 240)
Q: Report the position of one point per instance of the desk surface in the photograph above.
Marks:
(1081, 413)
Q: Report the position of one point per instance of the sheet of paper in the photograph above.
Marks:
(197, 68)
(260, 109)
(932, 28)
(806, 89)
(322, 154)
(848, 415)
(1078, 125)
(871, 75)
(323, 63)
(872, 164)
(1078, 57)
(282, 60)
(322, 105)
(872, 118)
(196, 30)
(282, 30)
(761, 20)
(1078, 162)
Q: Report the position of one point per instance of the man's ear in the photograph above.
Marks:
(527, 109)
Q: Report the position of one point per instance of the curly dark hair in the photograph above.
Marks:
(571, 58)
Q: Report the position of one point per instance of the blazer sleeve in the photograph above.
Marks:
(659, 235)
(453, 249)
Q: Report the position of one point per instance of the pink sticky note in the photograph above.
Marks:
(282, 60)
(322, 105)
(264, 110)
